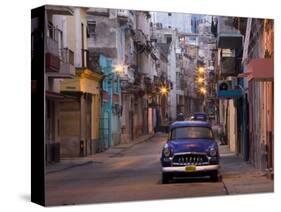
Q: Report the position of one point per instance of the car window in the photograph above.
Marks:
(191, 132)
(200, 116)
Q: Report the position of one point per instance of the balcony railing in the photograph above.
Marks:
(67, 63)
(52, 46)
(125, 17)
(67, 56)
(60, 67)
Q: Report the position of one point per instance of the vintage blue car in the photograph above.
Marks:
(191, 150)
(199, 116)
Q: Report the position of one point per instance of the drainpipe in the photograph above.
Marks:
(110, 81)
(245, 125)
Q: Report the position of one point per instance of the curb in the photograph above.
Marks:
(131, 145)
(91, 161)
(69, 167)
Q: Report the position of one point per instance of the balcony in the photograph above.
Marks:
(64, 65)
(139, 38)
(52, 55)
(230, 63)
(228, 36)
(52, 46)
(67, 65)
(125, 17)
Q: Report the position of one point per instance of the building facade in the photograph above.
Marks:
(59, 57)
(79, 117)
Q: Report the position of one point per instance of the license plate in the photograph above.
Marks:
(190, 168)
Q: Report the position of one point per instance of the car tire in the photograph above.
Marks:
(166, 178)
(214, 175)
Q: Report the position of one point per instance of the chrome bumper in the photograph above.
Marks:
(197, 168)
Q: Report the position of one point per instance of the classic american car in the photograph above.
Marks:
(191, 150)
(199, 116)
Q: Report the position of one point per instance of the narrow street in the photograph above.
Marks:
(133, 173)
(117, 80)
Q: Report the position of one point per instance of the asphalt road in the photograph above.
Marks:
(132, 175)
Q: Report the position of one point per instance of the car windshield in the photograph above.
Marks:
(191, 132)
(200, 117)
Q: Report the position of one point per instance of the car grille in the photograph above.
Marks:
(190, 159)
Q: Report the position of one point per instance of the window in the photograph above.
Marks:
(192, 132)
(51, 30)
(169, 14)
(228, 53)
(91, 28)
(168, 39)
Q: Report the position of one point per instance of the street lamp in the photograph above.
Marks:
(200, 80)
(201, 70)
(119, 69)
(203, 91)
(163, 90)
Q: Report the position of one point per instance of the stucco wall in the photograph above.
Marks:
(232, 126)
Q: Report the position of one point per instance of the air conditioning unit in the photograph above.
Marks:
(228, 88)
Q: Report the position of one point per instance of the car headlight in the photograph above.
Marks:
(167, 151)
(213, 152)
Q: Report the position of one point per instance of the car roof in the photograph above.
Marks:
(189, 124)
(200, 113)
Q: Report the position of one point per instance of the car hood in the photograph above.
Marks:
(191, 145)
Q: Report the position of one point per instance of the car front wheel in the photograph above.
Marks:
(166, 177)
(215, 176)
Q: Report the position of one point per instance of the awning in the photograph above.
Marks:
(260, 69)
(57, 96)
(229, 40)
(245, 74)
(53, 95)
(230, 94)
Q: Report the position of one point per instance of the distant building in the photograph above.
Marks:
(179, 21)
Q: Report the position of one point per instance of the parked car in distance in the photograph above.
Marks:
(191, 150)
(199, 116)
(180, 117)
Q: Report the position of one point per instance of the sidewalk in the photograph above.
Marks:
(68, 163)
(240, 177)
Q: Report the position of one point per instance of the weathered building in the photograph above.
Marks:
(229, 42)
(176, 21)
(79, 116)
(124, 37)
(167, 40)
(59, 57)
(258, 58)
(106, 40)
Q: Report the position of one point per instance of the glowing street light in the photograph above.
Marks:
(203, 91)
(119, 69)
(163, 90)
(200, 80)
(201, 70)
